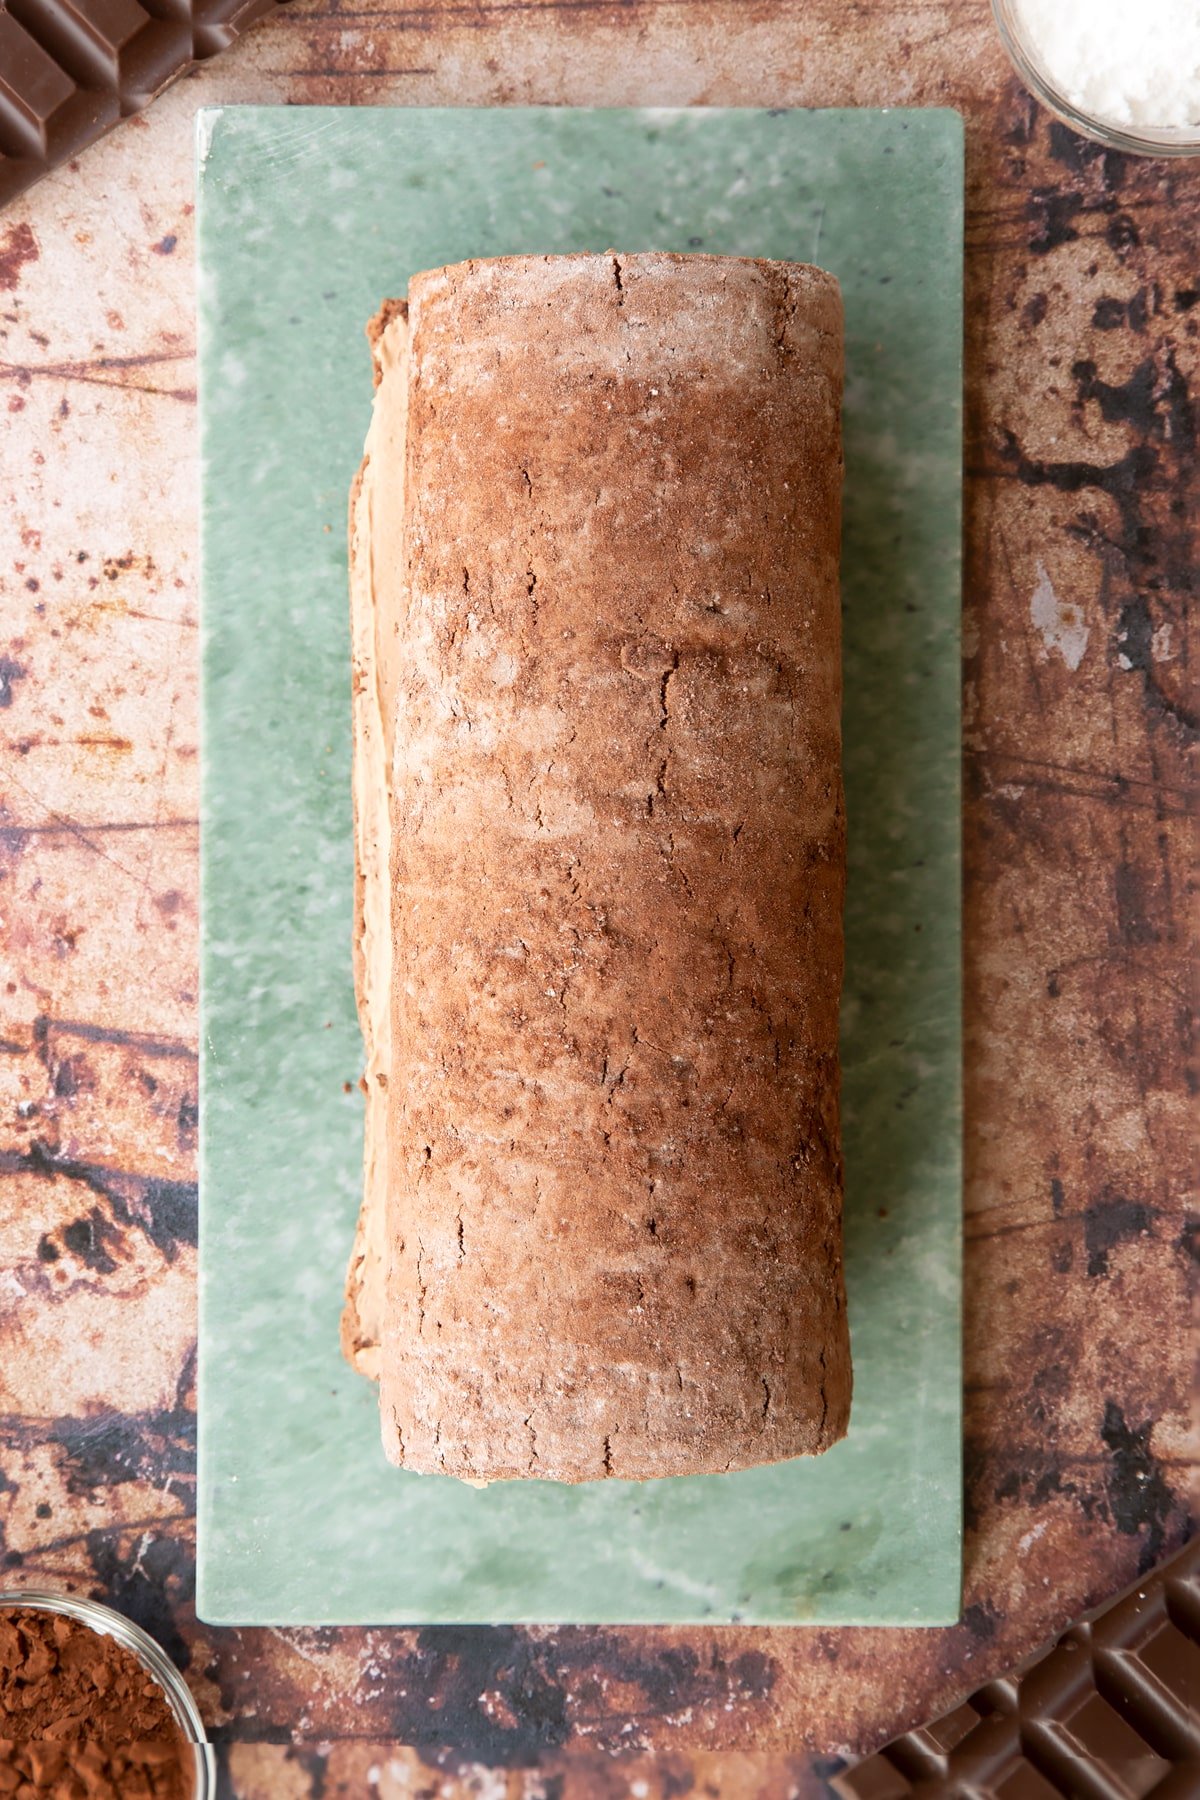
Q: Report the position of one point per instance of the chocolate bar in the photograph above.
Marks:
(71, 69)
(1111, 1711)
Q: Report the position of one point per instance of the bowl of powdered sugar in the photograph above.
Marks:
(1124, 71)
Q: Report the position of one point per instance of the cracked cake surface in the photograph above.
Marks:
(600, 848)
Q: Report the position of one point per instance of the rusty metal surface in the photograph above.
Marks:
(1083, 517)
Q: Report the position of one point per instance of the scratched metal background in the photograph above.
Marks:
(1083, 504)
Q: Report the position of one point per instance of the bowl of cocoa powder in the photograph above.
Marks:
(91, 1708)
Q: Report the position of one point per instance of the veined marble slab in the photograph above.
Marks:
(308, 217)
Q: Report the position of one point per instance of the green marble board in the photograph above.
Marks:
(308, 217)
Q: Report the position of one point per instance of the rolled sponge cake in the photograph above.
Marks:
(600, 846)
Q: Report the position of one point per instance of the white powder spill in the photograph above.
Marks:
(206, 124)
(1060, 623)
(1130, 62)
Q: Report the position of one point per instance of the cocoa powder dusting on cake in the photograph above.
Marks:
(80, 1719)
(600, 846)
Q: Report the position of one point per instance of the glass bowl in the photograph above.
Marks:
(150, 1655)
(1141, 140)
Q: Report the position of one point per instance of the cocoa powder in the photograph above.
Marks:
(80, 1719)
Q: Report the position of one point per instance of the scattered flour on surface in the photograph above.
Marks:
(1060, 622)
(1131, 62)
(1160, 644)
